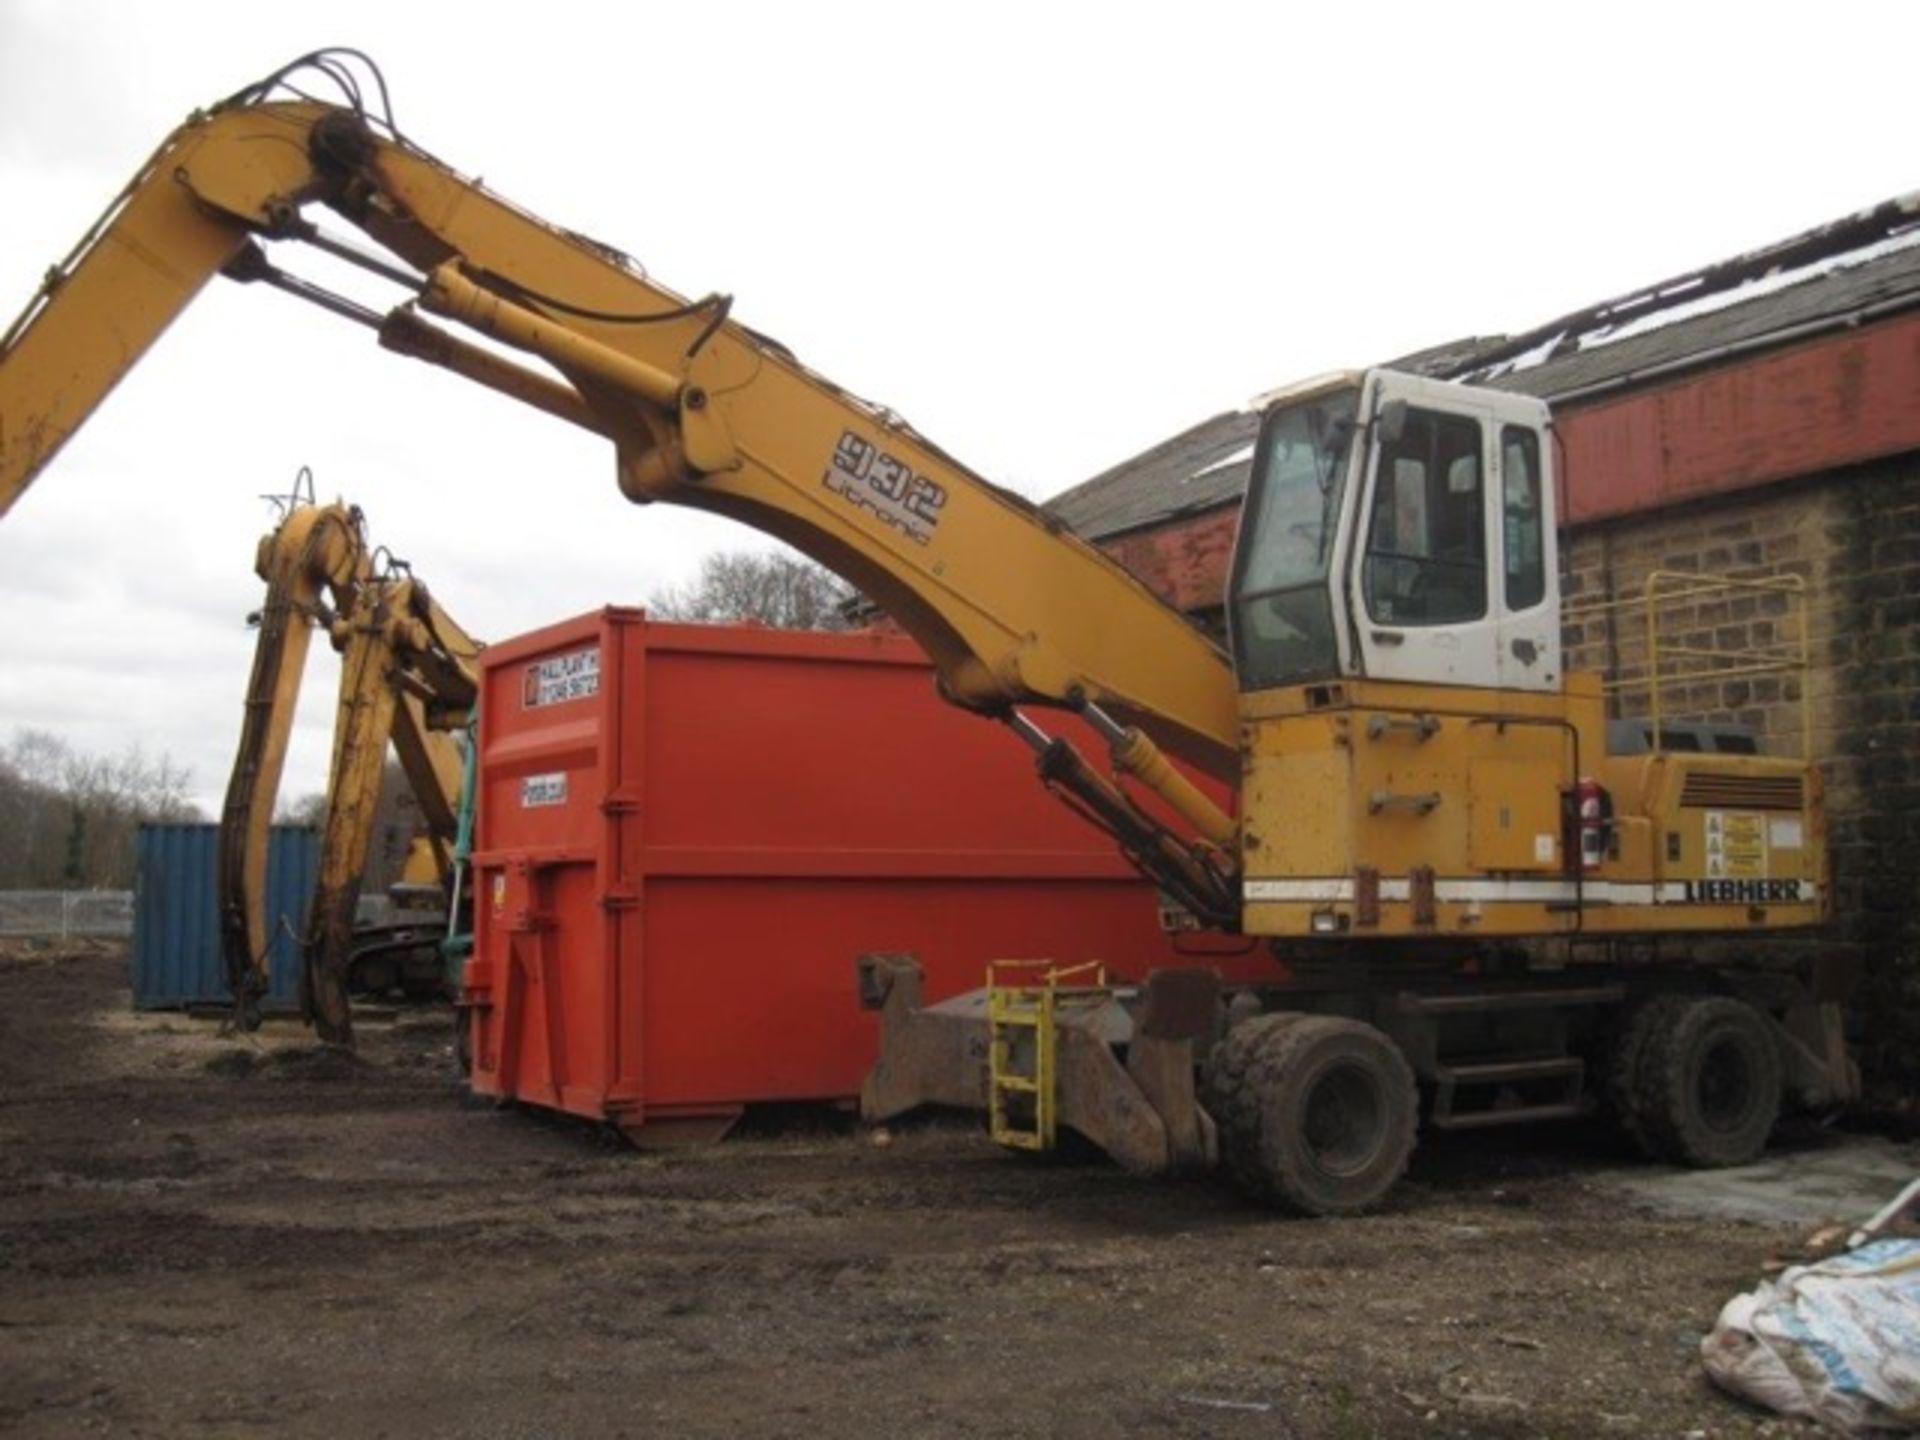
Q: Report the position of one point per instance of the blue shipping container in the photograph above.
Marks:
(176, 918)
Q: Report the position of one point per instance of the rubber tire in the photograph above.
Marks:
(1672, 1067)
(1622, 1093)
(1275, 1081)
(1234, 1107)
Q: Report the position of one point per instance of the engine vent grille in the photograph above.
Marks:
(1714, 790)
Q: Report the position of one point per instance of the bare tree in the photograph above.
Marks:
(39, 757)
(33, 817)
(20, 803)
(774, 587)
(69, 819)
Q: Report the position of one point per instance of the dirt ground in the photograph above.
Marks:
(212, 1236)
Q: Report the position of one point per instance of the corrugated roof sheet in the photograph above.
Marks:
(1191, 472)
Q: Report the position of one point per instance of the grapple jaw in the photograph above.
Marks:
(1122, 1068)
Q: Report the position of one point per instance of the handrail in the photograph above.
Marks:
(1666, 666)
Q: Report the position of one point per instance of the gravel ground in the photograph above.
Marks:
(205, 1235)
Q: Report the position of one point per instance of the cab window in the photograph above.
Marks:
(1523, 533)
(1283, 619)
(1426, 556)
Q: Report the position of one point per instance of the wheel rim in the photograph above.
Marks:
(1344, 1119)
(1725, 1086)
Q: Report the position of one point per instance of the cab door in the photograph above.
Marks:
(1528, 598)
(1420, 575)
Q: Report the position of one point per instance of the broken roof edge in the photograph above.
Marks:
(1655, 372)
(1852, 232)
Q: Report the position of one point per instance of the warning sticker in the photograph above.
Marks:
(1736, 845)
(561, 678)
(538, 790)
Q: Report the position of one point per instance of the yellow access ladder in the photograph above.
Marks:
(1023, 998)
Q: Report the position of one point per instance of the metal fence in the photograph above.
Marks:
(66, 914)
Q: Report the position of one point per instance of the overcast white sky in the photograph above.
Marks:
(1048, 234)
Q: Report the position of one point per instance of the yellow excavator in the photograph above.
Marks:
(409, 678)
(1480, 904)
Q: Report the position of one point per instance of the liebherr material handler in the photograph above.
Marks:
(1468, 897)
(409, 677)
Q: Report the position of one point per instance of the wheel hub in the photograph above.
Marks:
(1726, 1084)
(1344, 1120)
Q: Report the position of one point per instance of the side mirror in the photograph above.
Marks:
(1391, 418)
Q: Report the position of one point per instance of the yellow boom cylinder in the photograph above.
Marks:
(1136, 755)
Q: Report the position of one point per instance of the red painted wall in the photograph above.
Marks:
(1829, 402)
(1186, 561)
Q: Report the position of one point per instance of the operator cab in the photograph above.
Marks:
(1398, 528)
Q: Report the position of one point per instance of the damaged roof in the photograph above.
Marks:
(1848, 295)
(1198, 469)
(1861, 275)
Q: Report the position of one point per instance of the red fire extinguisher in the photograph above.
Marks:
(1592, 817)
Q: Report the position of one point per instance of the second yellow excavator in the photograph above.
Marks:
(408, 678)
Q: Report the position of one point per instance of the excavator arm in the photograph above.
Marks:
(409, 677)
(318, 551)
(702, 411)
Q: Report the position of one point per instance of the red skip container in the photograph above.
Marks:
(688, 833)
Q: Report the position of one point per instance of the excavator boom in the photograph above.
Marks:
(702, 411)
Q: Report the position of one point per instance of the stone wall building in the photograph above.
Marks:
(1754, 421)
